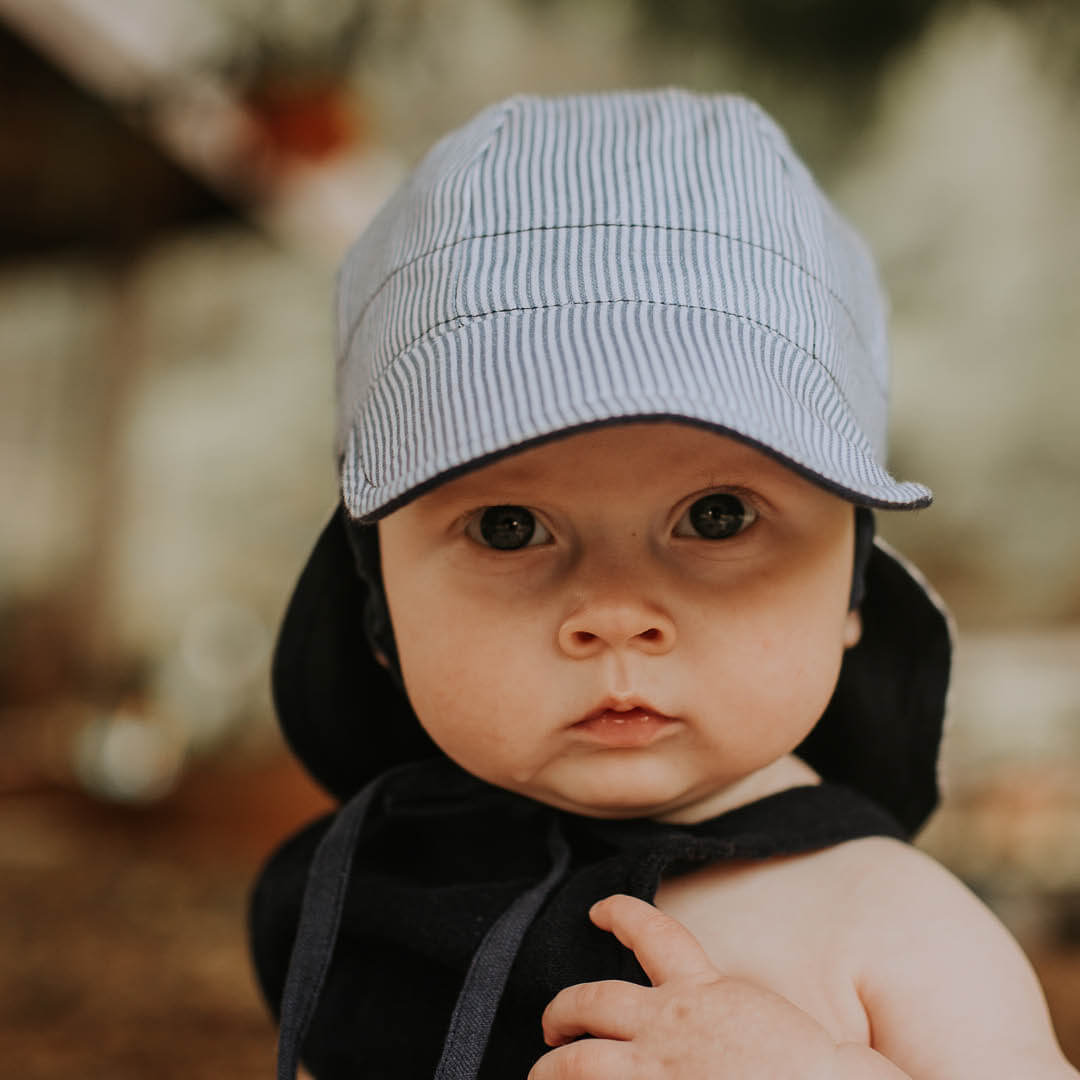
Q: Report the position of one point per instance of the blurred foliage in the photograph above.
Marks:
(64, 155)
(851, 36)
(834, 37)
(275, 41)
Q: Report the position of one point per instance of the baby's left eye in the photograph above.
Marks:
(718, 516)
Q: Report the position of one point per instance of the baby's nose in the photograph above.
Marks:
(594, 627)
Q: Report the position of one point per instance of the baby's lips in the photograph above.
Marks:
(631, 708)
(629, 726)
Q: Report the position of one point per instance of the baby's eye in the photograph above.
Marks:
(506, 528)
(718, 516)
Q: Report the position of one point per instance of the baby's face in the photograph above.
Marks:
(631, 621)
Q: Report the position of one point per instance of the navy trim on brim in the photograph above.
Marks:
(917, 502)
(347, 721)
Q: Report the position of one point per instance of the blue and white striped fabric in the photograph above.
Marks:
(559, 263)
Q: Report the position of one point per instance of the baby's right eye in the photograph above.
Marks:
(506, 528)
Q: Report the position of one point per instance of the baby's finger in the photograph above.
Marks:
(589, 1059)
(607, 1010)
(663, 946)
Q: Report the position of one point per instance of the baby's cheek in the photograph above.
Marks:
(793, 673)
(452, 704)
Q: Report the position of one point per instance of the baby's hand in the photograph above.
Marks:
(692, 1023)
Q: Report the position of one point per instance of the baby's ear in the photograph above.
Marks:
(852, 628)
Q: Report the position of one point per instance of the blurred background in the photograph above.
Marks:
(177, 181)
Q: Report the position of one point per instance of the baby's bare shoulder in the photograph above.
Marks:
(877, 928)
(789, 923)
(840, 909)
(838, 881)
(947, 989)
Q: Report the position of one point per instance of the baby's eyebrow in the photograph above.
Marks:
(732, 478)
(711, 479)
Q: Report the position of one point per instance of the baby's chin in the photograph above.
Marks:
(666, 796)
(659, 803)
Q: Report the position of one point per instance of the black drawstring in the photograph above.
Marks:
(474, 1013)
(320, 919)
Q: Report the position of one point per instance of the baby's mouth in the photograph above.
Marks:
(624, 725)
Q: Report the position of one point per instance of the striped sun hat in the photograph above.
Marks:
(561, 263)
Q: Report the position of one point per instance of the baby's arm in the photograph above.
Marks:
(692, 1024)
(947, 990)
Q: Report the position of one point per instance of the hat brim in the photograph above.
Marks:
(509, 380)
(348, 721)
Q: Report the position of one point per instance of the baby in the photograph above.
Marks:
(600, 631)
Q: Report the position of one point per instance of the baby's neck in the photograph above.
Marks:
(786, 772)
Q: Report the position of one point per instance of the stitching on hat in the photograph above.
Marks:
(464, 320)
(596, 225)
(474, 316)
(355, 324)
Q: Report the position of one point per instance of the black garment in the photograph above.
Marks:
(442, 855)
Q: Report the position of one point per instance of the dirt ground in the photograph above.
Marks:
(122, 932)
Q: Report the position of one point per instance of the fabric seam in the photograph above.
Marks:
(466, 319)
(355, 324)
